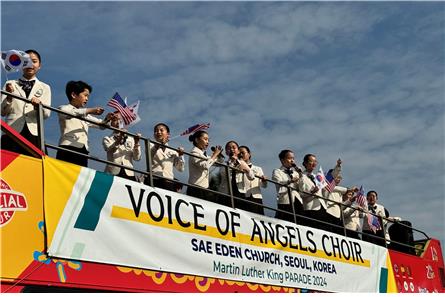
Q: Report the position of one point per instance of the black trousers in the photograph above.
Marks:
(123, 174)
(165, 183)
(73, 157)
(352, 234)
(321, 216)
(200, 193)
(254, 207)
(10, 145)
(337, 224)
(299, 210)
(379, 239)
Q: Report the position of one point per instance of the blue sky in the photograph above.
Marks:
(357, 80)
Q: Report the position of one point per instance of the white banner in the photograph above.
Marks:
(117, 221)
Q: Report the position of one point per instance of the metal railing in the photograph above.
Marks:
(228, 169)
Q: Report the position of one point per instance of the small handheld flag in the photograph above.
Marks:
(374, 223)
(134, 108)
(15, 60)
(195, 128)
(119, 104)
(360, 198)
(320, 179)
(330, 182)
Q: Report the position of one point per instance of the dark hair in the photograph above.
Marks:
(196, 135)
(76, 87)
(306, 159)
(231, 141)
(162, 124)
(245, 147)
(372, 191)
(32, 51)
(283, 154)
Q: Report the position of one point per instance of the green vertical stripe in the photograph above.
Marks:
(94, 202)
(383, 280)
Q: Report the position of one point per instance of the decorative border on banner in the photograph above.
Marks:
(203, 284)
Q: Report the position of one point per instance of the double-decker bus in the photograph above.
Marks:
(67, 228)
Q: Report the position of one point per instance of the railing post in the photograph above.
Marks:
(342, 217)
(229, 184)
(289, 192)
(148, 161)
(40, 128)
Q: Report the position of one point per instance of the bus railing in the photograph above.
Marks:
(148, 172)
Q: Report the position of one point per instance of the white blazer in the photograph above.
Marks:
(352, 219)
(333, 208)
(253, 187)
(380, 211)
(310, 202)
(18, 113)
(164, 161)
(279, 175)
(74, 132)
(240, 177)
(122, 154)
(199, 168)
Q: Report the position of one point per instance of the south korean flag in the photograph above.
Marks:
(15, 60)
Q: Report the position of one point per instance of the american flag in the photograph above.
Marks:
(374, 223)
(330, 182)
(360, 198)
(118, 103)
(194, 128)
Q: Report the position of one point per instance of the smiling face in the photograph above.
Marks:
(161, 134)
(372, 198)
(311, 163)
(81, 99)
(30, 73)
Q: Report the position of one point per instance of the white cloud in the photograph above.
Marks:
(360, 81)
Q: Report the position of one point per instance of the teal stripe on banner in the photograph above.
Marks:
(94, 202)
(383, 280)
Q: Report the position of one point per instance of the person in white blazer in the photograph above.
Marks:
(199, 165)
(74, 131)
(20, 115)
(236, 178)
(381, 212)
(253, 186)
(334, 200)
(121, 149)
(287, 178)
(164, 159)
(314, 205)
(352, 216)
